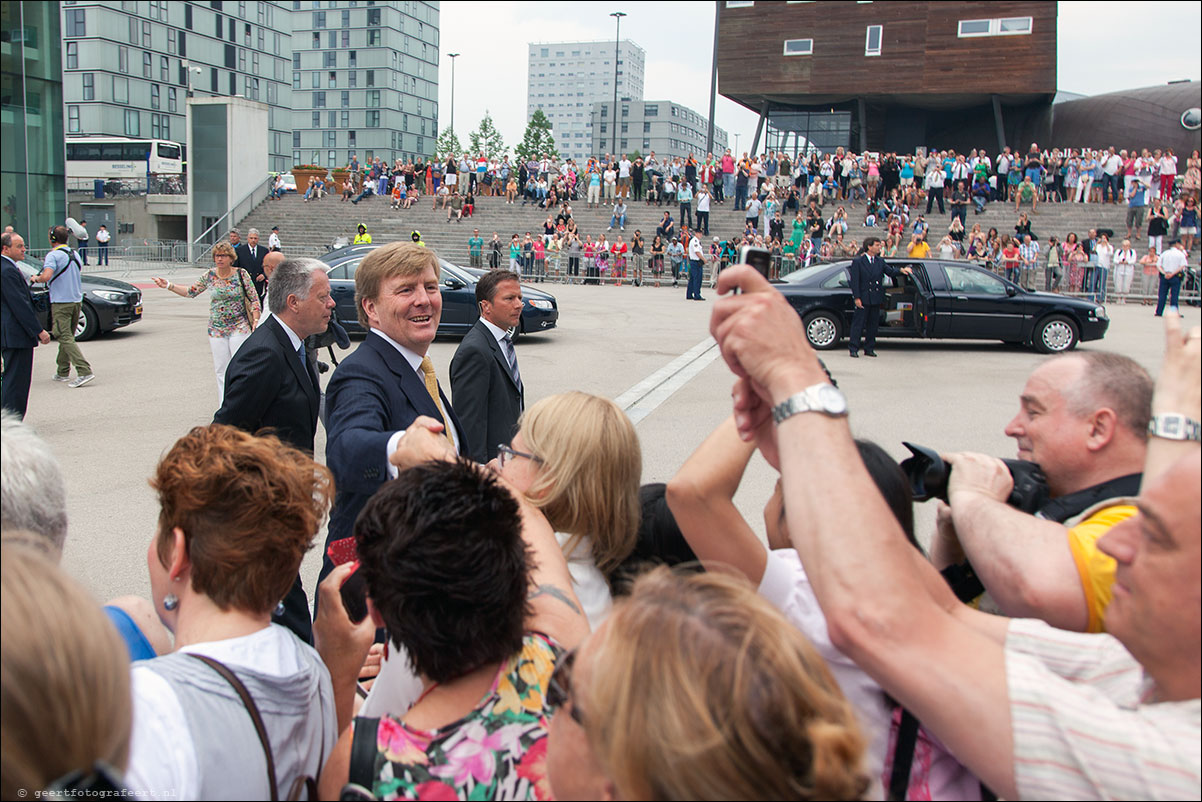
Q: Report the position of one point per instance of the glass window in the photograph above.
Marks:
(133, 123)
(346, 99)
(77, 22)
(371, 77)
(352, 78)
(352, 59)
(373, 119)
(319, 19)
(974, 27)
(147, 65)
(331, 59)
(155, 100)
(332, 81)
(73, 119)
(246, 35)
(241, 60)
(319, 100)
(799, 47)
(333, 119)
(164, 69)
(346, 120)
(89, 86)
(172, 102)
(346, 19)
(333, 157)
(145, 34)
(331, 139)
(316, 120)
(296, 139)
(872, 40)
(373, 16)
(296, 59)
(333, 39)
(316, 80)
(1012, 26)
(346, 39)
(972, 280)
(72, 55)
(373, 98)
(373, 38)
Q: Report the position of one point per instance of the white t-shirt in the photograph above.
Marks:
(162, 755)
(624, 168)
(1173, 261)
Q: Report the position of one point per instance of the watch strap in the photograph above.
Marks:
(1174, 426)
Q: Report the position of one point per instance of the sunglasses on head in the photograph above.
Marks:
(559, 689)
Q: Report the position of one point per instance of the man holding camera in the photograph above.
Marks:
(1083, 418)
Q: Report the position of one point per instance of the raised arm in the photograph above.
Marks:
(875, 592)
(701, 497)
(1178, 392)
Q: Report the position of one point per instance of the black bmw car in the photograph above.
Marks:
(944, 300)
(459, 310)
(107, 304)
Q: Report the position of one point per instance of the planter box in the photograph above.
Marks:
(302, 178)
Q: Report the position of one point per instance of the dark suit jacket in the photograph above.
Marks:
(19, 325)
(866, 277)
(486, 396)
(266, 386)
(253, 264)
(372, 394)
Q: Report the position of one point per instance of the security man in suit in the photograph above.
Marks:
(486, 383)
(868, 271)
(250, 258)
(271, 384)
(20, 329)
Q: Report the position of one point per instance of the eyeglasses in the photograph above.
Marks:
(505, 454)
(559, 689)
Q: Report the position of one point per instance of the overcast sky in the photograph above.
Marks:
(492, 39)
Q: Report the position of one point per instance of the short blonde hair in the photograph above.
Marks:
(588, 485)
(64, 677)
(224, 249)
(700, 689)
(388, 261)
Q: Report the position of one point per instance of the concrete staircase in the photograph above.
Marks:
(307, 229)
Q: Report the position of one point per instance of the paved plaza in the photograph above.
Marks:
(645, 347)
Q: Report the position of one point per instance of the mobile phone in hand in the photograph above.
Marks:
(759, 258)
(354, 588)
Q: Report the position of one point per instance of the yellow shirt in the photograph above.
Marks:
(1096, 569)
(362, 239)
(919, 251)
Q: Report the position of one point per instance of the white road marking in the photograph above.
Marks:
(641, 400)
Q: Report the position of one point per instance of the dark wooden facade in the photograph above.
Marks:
(926, 77)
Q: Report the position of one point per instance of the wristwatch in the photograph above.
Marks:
(1173, 426)
(824, 398)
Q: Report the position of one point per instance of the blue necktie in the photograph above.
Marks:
(511, 357)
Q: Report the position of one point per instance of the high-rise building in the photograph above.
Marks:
(567, 78)
(129, 65)
(32, 161)
(668, 129)
(364, 80)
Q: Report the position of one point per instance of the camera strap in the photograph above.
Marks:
(1063, 508)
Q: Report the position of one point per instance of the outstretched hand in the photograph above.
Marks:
(424, 441)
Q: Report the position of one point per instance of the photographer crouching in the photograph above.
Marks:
(1083, 418)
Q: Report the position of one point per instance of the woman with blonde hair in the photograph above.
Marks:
(234, 307)
(576, 457)
(65, 705)
(696, 688)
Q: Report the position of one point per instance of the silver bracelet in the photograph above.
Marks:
(1174, 426)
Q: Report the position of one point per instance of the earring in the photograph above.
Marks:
(170, 602)
(279, 609)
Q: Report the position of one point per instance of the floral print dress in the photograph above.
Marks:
(497, 751)
(227, 313)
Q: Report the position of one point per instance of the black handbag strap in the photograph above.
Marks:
(255, 716)
(903, 756)
(363, 753)
(245, 297)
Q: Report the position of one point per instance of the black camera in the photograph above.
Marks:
(928, 475)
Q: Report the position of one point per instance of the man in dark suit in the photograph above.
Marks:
(250, 258)
(384, 398)
(485, 380)
(20, 329)
(271, 385)
(868, 271)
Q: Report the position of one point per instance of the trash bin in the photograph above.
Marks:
(98, 188)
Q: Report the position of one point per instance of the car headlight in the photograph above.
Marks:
(115, 297)
(538, 303)
(1099, 312)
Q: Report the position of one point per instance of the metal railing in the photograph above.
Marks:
(126, 258)
(164, 184)
(203, 245)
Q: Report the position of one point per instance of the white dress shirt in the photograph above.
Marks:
(415, 362)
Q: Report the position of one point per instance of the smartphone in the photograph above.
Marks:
(759, 258)
(354, 588)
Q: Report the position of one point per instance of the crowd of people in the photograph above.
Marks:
(527, 620)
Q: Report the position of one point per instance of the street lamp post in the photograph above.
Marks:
(453, 56)
(617, 15)
(736, 146)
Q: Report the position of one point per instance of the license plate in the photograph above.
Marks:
(138, 309)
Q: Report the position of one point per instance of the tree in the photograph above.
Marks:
(487, 140)
(538, 140)
(447, 145)
(633, 155)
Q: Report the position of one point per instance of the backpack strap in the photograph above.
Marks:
(361, 771)
(70, 260)
(255, 716)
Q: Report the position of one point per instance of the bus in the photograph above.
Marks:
(122, 158)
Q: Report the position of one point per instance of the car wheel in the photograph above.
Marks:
(1055, 335)
(88, 326)
(823, 330)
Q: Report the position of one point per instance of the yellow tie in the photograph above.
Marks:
(427, 368)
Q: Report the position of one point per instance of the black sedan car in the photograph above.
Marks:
(945, 300)
(107, 304)
(459, 311)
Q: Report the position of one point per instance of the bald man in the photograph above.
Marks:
(270, 262)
